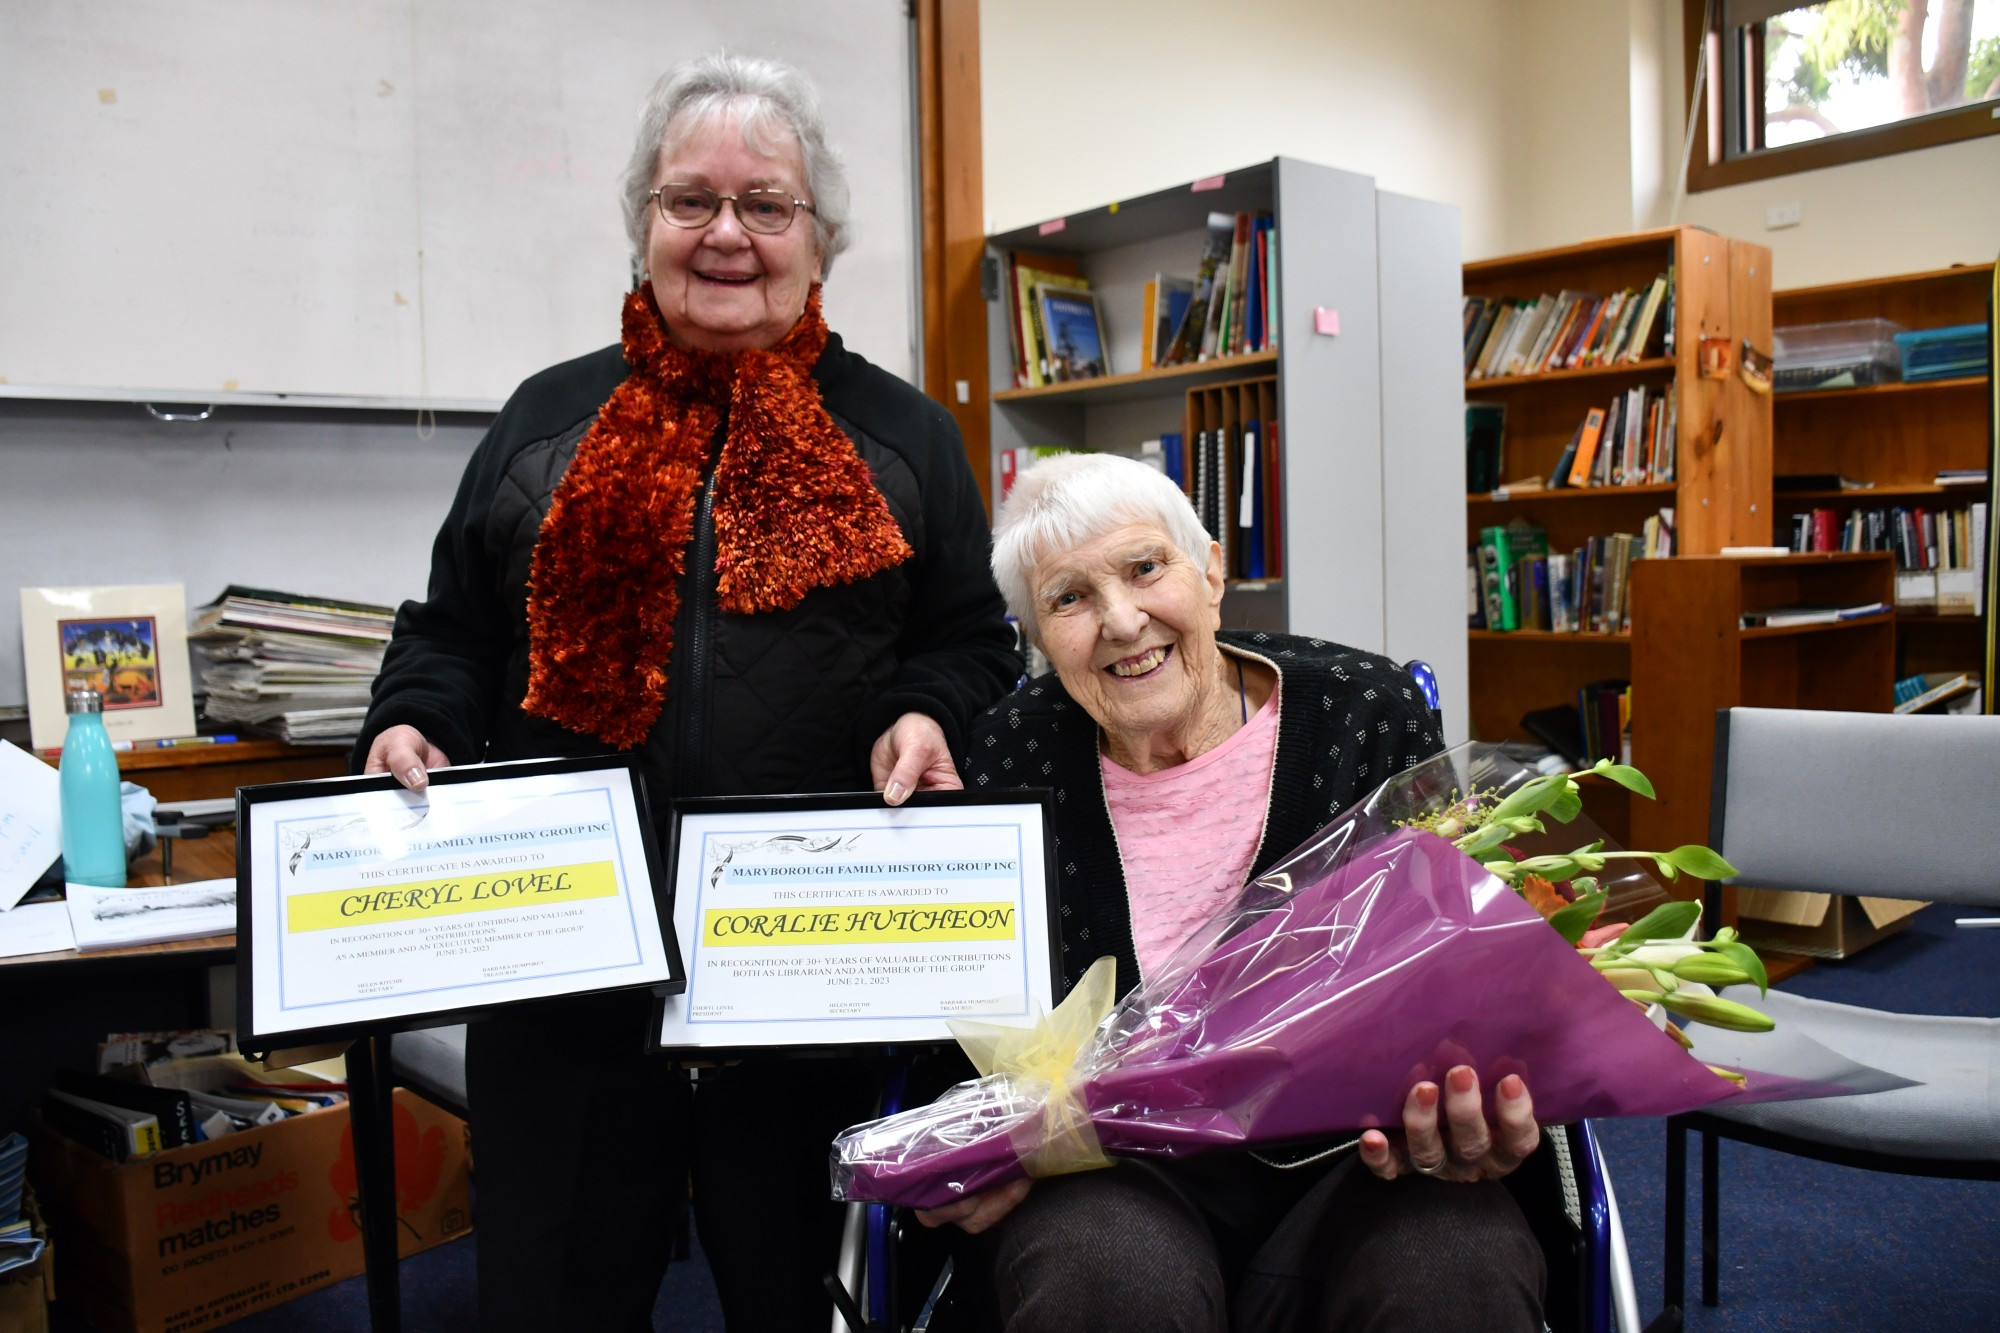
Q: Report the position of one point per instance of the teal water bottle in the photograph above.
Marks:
(93, 826)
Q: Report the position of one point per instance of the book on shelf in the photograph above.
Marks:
(1073, 346)
(1186, 344)
(1775, 617)
(1961, 476)
(1485, 436)
(1561, 729)
(1951, 691)
(1588, 437)
(1604, 712)
(1163, 304)
(1565, 330)
(1028, 274)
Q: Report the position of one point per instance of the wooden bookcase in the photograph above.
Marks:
(1897, 436)
(1722, 494)
(1364, 379)
(1691, 655)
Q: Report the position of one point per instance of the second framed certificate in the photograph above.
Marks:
(838, 920)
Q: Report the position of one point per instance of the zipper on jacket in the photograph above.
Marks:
(692, 682)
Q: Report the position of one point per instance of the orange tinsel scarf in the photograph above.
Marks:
(795, 509)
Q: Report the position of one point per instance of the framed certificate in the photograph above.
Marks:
(366, 907)
(839, 920)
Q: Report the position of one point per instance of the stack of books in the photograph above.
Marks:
(1940, 553)
(296, 667)
(1232, 295)
(1628, 443)
(1520, 584)
(1505, 335)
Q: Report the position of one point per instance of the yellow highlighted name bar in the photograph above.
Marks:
(725, 928)
(450, 896)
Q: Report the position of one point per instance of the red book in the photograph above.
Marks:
(1825, 530)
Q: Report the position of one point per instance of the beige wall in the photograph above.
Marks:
(1087, 101)
(1545, 121)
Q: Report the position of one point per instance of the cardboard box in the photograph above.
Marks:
(1822, 925)
(198, 1236)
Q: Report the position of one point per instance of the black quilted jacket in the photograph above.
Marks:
(787, 701)
(1347, 722)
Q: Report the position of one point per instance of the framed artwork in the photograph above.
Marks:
(1072, 333)
(127, 643)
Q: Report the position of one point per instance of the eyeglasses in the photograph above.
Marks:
(764, 211)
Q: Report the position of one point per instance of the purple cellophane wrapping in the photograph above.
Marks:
(1372, 959)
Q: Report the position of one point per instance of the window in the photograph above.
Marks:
(1792, 87)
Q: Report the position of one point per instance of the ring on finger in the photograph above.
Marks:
(1433, 1168)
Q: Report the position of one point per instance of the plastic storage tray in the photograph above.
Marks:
(1842, 355)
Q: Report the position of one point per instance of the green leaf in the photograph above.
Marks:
(1668, 921)
(1699, 861)
(1572, 921)
(1530, 798)
(1744, 957)
(1626, 776)
(1567, 805)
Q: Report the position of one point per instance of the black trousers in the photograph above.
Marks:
(1226, 1243)
(583, 1149)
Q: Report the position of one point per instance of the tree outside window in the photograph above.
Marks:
(1793, 87)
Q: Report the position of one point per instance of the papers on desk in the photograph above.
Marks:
(119, 918)
(36, 928)
(30, 822)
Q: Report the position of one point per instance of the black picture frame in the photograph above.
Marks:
(1042, 797)
(259, 1043)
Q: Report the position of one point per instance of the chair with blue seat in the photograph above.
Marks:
(1871, 804)
(1566, 1191)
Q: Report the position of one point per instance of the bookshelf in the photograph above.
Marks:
(1368, 430)
(1897, 436)
(1691, 655)
(1721, 494)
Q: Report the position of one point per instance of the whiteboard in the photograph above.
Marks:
(391, 200)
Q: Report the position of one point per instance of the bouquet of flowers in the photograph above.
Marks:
(1412, 934)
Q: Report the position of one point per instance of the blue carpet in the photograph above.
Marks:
(1806, 1245)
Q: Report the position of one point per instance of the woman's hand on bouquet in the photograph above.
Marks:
(1464, 1147)
(976, 1212)
(403, 751)
(912, 755)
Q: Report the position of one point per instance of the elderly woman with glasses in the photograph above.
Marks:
(1185, 761)
(735, 547)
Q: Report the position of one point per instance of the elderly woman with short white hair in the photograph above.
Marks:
(1186, 761)
(737, 549)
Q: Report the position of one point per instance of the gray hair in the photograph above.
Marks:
(765, 95)
(1065, 501)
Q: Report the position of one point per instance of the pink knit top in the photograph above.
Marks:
(1189, 834)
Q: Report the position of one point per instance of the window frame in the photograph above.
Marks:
(1710, 167)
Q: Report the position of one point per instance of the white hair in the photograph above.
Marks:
(1062, 502)
(763, 95)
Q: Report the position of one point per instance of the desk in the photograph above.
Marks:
(213, 857)
(197, 772)
(59, 1006)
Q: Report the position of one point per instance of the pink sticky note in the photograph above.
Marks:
(1050, 228)
(1326, 321)
(1207, 183)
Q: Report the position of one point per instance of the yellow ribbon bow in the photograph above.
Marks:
(1047, 1053)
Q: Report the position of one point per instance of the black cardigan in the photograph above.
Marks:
(1347, 721)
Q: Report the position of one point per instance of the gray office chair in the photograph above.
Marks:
(1860, 803)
